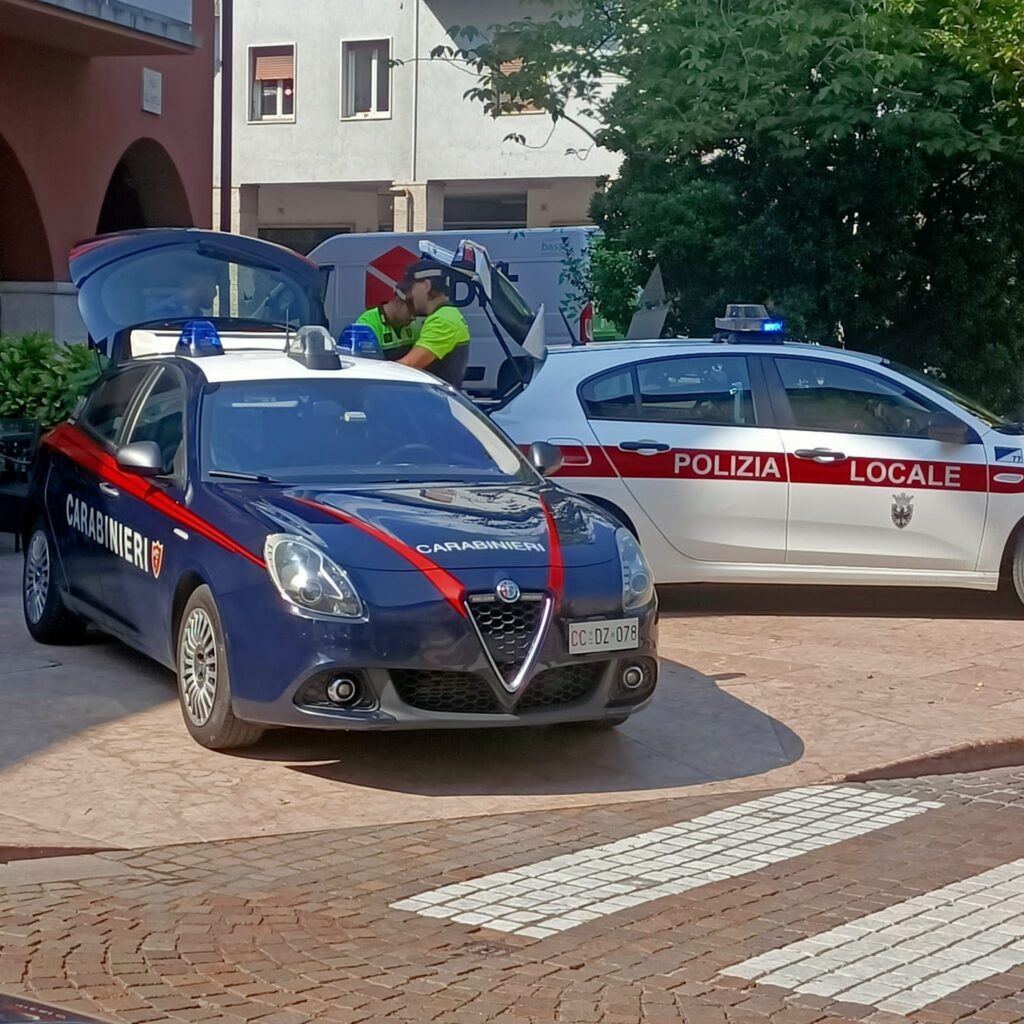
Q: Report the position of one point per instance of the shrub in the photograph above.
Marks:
(42, 380)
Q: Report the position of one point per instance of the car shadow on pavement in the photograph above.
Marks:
(851, 602)
(694, 732)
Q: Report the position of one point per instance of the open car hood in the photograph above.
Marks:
(170, 275)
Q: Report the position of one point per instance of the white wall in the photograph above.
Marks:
(456, 141)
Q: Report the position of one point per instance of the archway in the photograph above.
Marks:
(24, 248)
(145, 191)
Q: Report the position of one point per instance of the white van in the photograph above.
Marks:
(546, 265)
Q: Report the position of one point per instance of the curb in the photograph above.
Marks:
(975, 756)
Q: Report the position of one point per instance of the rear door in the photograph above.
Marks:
(690, 437)
(868, 487)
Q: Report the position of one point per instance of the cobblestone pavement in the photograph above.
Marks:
(883, 902)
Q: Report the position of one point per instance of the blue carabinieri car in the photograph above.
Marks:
(311, 539)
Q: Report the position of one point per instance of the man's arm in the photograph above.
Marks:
(418, 358)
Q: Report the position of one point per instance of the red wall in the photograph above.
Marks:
(69, 119)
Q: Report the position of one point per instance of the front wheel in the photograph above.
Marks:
(204, 689)
(47, 618)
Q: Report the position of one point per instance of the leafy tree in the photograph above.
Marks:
(855, 164)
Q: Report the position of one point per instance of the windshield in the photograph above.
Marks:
(345, 431)
(164, 286)
(977, 410)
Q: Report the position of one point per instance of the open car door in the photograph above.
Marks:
(500, 368)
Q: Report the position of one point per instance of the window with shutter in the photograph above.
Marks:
(272, 85)
(506, 45)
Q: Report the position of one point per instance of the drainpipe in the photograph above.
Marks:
(415, 90)
(227, 64)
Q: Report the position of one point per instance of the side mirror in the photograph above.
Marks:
(143, 458)
(949, 429)
(546, 458)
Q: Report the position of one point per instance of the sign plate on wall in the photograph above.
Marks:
(152, 91)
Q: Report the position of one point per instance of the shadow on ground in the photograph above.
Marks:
(838, 602)
(693, 732)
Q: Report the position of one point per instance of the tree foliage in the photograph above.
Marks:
(858, 165)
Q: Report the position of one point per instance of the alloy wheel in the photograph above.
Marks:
(37, 576)
(197, 666)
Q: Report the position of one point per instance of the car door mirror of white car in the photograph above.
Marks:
(143, 458)
(546, 458)
(949, 429)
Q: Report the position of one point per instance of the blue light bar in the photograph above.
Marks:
(361, 340)
(773, 326)
(199, 338)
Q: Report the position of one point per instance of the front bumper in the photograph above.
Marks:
(421, 666)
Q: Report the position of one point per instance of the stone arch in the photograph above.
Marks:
(24, 247)
(145, 191)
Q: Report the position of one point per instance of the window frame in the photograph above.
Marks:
(343, 90)
(132, 421)
(762, 412)
(526, 108)
(786, 418)
(112, 445)
(251, 71)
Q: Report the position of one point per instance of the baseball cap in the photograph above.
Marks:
(424, 270)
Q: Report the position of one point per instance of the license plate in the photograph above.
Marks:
(604, 635)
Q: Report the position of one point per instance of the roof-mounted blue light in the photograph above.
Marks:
(748, 322)
(361, 340)
(199, 338)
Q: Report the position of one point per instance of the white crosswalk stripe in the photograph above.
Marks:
(912, 954)
(563, 892)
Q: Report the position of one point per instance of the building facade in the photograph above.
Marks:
(342, 121)
(106, 123)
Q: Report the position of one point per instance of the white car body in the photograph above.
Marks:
(721, 458)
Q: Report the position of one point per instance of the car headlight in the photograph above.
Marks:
(308, 579)
(637, 580)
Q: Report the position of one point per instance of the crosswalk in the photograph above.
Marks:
(562, 893)
(912, 954)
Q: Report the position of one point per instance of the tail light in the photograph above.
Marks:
(587, 324)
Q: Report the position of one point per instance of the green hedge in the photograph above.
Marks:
(42, 380)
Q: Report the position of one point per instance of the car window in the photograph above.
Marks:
(837, 397)
(108, 404)
(161, 419)
(696, 389)
(610, 396)
(328, 430)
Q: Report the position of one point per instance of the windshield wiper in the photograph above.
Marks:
(256, 478)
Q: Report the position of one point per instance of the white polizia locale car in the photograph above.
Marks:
(748, 460)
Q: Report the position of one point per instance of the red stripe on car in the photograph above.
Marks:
(556, 572)
(449, 587)
(80, 448)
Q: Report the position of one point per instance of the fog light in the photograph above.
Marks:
(342, 691)
(633, 677)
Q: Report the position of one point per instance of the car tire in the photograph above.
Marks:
(204, 688)
(46, 616)
(1017, 567)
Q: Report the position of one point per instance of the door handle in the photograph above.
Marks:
(644, 447)
(823, 455)
(109, 490)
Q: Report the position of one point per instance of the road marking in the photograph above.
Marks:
(903, 958)
(564, 892)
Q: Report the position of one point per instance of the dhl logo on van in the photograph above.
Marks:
(777, 467)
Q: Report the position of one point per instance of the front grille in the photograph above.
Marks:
(558, 687)
(508, 630)
(466, 693)
(463, 693)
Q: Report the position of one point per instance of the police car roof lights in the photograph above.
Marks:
(199, 338)
(361, 340)
(314, 347)
(748, 322)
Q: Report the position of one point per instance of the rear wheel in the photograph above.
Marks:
(46, 616)
(1017, 566)
(204, 689)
